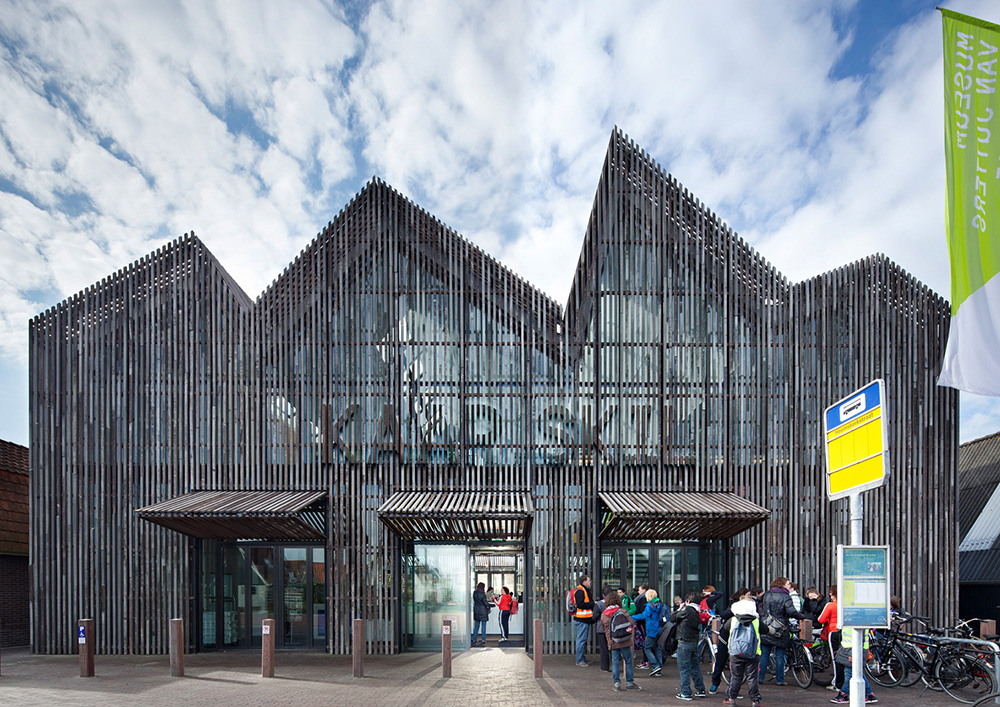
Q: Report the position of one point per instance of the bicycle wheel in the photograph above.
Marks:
(822, 665)
(883, 666)
(986, 700)
(802, 665)
(913, 664)
(965, 677)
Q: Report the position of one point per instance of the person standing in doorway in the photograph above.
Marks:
(583, 617)
(506, 603)
(480, 613)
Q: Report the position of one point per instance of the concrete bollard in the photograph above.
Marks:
(267, 649)
(806, 630)
(446, 648)
(85, 642)
(177, 648)
(358, 648)
(538, 646)
(716, 627)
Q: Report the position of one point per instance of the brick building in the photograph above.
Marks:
(14, 588)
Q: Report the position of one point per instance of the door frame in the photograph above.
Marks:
(246, 642)
(719, 565)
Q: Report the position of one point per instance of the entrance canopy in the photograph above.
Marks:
(678, 516)
(234, 515)
(459, 516)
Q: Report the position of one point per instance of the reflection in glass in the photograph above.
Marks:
(295, 572)
(261, 590)
(233, 596)
(208, 589)
(439, 581)
(611, 569)
(638, 567)
(670, 573)
(319, 596)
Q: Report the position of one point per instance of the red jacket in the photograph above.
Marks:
(505, 601)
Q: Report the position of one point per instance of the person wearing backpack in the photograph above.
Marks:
(721, 650)
(742, 633)
(583, 615)
(777, 612)
(652, 614)
(506, 605)
(618, 627)
(688, 621)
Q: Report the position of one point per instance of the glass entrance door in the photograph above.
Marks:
(437, 587)
(498, 569)
(243, 584)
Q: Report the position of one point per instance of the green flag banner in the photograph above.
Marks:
(972, 215)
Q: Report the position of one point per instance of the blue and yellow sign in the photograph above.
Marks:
(857, 456)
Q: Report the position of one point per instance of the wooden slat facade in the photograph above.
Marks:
(393, 355)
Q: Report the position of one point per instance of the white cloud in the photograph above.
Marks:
(253, 123)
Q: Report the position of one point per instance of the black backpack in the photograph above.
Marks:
(621, 627)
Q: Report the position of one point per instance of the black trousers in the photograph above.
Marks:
(721, 661)
(838, 669)
(505, 624)
(602, 644)
(748, 667)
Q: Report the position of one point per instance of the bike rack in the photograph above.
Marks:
(993, 648)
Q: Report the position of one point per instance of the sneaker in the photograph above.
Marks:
(584, 664)
(841, 699)
(833, 687)
(713, 689)
(643, 666)
(632, 686)
(617, 686)
(729, 701)
(870, 699)
(682, 696)
(655, 672)
(700, 693)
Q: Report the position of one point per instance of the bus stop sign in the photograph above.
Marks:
(856, 437)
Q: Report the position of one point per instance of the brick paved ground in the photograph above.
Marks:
(489, 676)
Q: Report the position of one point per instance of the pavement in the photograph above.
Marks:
(480, 677)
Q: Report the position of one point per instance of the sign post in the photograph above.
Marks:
(857, 459)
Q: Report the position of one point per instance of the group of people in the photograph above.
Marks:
(755, 625)
(483, 601)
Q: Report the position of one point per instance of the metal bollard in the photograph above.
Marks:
(85, 641)
(538, 646)
(806, 630)
(177, 648)
(267, 649)
(446, 648)
(358, 648)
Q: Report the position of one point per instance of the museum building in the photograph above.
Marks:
(399, 416)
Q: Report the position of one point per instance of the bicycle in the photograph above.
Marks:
(708, 651)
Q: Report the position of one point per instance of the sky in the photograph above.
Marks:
(814, 129)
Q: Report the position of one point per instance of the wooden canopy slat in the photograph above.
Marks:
(232, 515)
(458, 515)
(678, 516)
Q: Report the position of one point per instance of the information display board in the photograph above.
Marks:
(863, 586)
(856, 442)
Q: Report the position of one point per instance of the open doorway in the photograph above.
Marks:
(498, 567)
